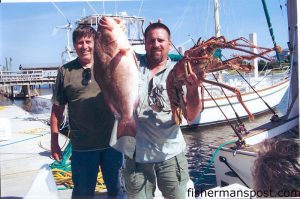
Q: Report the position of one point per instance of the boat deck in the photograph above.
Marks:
(252, 149)
(20, 155)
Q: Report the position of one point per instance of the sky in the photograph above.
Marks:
(27, 30)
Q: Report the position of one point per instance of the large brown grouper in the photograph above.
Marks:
(116, 72)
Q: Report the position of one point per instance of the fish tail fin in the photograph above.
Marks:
(126, 128)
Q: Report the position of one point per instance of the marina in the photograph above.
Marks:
(25, 131)
(37, 111)
(26, 80)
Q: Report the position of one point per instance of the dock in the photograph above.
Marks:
(21, 156)
(27, 80)
(25, 158)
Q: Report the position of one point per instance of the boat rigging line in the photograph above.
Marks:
(271, 29)
(103, 7)
(284, 19)
(140, 8)
(92, 8)
(275, 117)
(176, 49)
(180, 19)
(240, 142)
(193, 40)
(59, 10)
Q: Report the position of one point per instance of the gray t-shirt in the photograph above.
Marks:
(90, 119)
(158, 137)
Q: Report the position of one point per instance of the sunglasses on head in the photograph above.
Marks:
(86, 76)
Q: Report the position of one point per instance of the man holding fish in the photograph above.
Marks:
(90, 120)
(160, 144)
(137, 96)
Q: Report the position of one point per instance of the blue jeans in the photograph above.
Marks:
(85, 168)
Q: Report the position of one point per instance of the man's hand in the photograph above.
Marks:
(55, 149)
(55, 118)
(192, 82)
(193, 105)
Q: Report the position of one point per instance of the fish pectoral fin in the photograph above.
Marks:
(117, 20)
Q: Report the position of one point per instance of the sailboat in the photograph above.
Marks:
(234, 161)
(259, 93)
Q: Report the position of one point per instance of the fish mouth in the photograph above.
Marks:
(105, 23)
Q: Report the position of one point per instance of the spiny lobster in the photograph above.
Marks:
(200, 59)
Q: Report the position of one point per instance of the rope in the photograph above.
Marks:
(213, 159)
(62, 172)
(35, 131)
(18, 141)
(270, 28)
(2, 108)
(270, 108)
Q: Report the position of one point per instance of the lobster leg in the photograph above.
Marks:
(187, 68)
(182, 99)
(234, 90)
(180, 93)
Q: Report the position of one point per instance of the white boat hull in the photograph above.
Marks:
(212, 114)
(241, 163)
(243, 160)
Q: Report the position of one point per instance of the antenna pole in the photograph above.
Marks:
(217, 19)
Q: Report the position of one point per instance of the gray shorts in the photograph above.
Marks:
(172, 177)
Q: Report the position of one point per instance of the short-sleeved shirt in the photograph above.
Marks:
(158, 137)
(90, 119)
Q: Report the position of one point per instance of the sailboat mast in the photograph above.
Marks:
(217, 18)
(217, 32)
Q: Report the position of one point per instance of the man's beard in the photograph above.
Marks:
(155, 58)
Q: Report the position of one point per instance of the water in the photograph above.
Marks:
(37, 105)
(199, 154)
(198, 139)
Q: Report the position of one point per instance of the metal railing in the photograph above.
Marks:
(9, 77)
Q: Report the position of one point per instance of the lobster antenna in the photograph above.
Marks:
(176, 49)
(193, 41)
(199, 40)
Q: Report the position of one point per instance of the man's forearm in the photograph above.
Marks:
(194, 105)
(56, 118)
